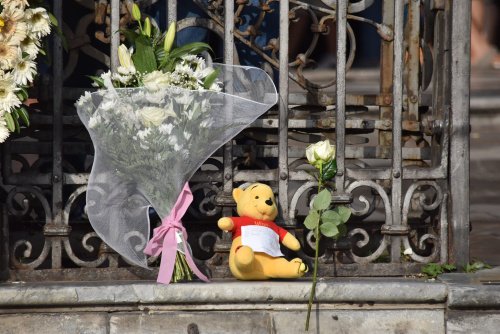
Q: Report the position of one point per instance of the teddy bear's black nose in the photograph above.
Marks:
(269, 202)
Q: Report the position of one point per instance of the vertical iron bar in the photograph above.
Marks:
(397, 176)
(283, 111)
(460, 145)
(340, 105)
(57, 177)
(4, 244)
(171, 12)
(115, 38)
(413, 59)
(386, 72)
(229, 60)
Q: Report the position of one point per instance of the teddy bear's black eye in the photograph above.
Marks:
(256, 197)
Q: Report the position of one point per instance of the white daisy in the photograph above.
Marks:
(94, 120)
(38, 21)
(108, 104)
(166, 129)
(143, 133)
(30, 45)
(8, 97)
(21, 4)
(15, 28)
(8, 54)
(24, 70)
(4, 131)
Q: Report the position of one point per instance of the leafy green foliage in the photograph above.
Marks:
(329, 170)
(322, 201)
(433, 269)
(475, 266)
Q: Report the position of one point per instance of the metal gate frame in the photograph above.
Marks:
(438, 187)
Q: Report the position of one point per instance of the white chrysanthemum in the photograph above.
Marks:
(206, 123)
(38, 22)
(9, 54)
(177, 147)
(24, 70)
(143, 133)
(172, 140)
(4, 131)
(123, 79)
(21, 4)
(157, 97)
(95, 120)
(108, 104)
(8, 97)
(30, 45)
(15, 28)
(187, 135)
(126, 70)
(166, 129)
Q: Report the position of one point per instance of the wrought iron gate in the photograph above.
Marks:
(402, 150)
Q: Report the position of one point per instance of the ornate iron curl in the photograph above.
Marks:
(67, 245)
(366, 238)
(422, 197)
(25, 210)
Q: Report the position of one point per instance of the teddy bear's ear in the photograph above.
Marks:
(236, 194)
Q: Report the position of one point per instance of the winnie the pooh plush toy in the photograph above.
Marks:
(255, 252)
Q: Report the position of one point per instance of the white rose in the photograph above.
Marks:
(156, 80)
(153, 115)
(321, 152)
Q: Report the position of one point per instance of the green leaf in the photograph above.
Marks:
(342, 231)
(144, 57)
(10, 122)
(15, 116)
(328, 229)
(190, 48)
(312, 220)
(331, 216)
(344, 212)
(209, 79)
(24, 115)
(59, 33)
(97, 80)
(323, 200)
(329, 170)
(130, 35)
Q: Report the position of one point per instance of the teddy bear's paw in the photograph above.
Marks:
(225, 223)
(244, 258)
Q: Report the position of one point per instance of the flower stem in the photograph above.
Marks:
(318, 235)
(313, 289)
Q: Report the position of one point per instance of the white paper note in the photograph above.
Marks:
(261, 239)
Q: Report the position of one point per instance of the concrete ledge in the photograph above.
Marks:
(372, 291)
(473, 291)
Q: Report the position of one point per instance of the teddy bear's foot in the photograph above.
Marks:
(301, 267)
(244, 258)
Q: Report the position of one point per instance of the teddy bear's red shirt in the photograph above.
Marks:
(247, 221)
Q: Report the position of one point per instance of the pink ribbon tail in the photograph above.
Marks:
(167, 232)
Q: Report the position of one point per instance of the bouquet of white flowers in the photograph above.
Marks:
(151, 136)
(22, 28)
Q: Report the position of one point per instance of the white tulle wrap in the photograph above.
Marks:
(150, 141)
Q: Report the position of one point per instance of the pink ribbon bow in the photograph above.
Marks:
(166, 231)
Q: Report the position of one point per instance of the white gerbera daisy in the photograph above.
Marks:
(30, 45)
(8, 54)
(8, 97)
(24, 70)
(38, 21)
(15, 28)
(4, 131)
(21, 4)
